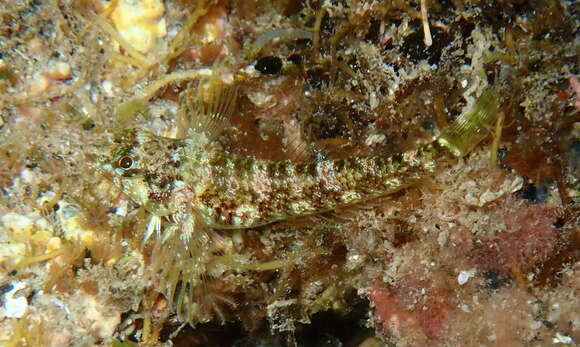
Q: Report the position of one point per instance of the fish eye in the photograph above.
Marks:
(125, 162)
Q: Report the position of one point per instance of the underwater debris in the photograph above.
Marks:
(140, 23)
(190, 186)
(465, 252)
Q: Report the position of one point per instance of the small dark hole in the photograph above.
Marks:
(88, 125)
(559, 222)
(533, 194)
(295, 59)
(269, 65)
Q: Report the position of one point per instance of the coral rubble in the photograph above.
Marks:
(483, 252)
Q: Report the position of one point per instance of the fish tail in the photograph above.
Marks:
(473, 126)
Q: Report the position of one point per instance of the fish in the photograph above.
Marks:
(223, 190)
(190, 185)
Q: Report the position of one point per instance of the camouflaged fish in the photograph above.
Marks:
(190, 185)
(194, 181)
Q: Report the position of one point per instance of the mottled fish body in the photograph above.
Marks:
(194, 176)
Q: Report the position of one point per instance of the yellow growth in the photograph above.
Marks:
(49, 205)
(141, 23)
(178, 45)
(37, 259)
(520, 280)
(146, 331)
(172, 77)
(123, 58)
(108, 28)
(27, 331)
(130, 107)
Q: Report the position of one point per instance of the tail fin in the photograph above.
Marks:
(473, 126)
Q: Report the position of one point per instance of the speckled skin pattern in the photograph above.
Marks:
(194, 176)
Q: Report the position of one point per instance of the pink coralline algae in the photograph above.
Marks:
(529, 237)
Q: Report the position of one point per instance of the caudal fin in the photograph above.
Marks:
(473, 126)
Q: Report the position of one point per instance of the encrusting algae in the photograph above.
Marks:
(289, 173)
(191, 186)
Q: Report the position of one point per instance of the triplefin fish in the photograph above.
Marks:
(190, 185)
(194, 176)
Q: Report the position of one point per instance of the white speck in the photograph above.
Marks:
(354, 257)
(536, 325)
(15, 307)
(250, 70)
(122, 209)
(28, 176)
(562, 339)
(465, 308)
(464, 276)
(464, 83)
(16, 221)
(259, 98)
(442, 238)
(373, 101)
(375, 139)
(228, 78)
(108, 88)
(173, 109)
(60, 305)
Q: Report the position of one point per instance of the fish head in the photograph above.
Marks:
(145, 167)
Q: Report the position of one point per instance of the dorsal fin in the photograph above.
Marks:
(206, 108)
(296, 146)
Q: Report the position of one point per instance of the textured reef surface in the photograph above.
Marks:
(289, 173)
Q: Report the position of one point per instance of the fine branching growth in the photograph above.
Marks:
(302, 173)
